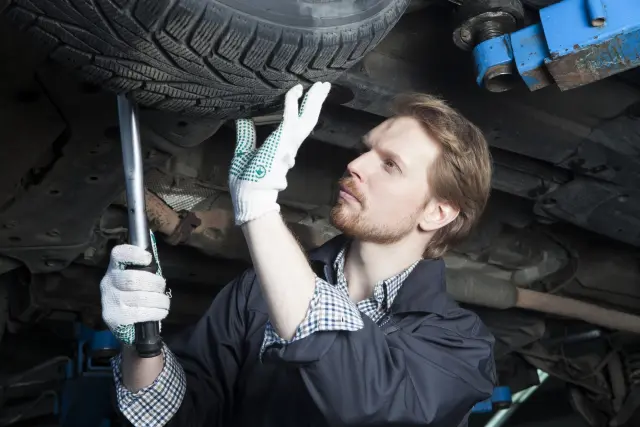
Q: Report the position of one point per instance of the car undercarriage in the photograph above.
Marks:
(553, 268)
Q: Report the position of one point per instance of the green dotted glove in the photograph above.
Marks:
(257, 175)
(130, 296)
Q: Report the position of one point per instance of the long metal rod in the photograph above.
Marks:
(133, 171)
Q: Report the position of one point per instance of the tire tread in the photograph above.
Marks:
(193, 56)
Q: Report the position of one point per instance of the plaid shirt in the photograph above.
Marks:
(331, 309)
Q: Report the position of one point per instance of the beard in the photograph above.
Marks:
(353, 222)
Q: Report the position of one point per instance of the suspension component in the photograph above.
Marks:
(483, 20)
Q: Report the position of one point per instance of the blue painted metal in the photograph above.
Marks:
(484, 407)
(491, 53)
(580, 53)
(85, 400)
(567, 25)
(92, 344)
(500, 399)
(529, 52)
(501, 396)
(576, 42)
(596, 11)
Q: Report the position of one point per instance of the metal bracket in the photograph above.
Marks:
(500, 399)
(576, 42)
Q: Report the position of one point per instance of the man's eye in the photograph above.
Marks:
(389, 164)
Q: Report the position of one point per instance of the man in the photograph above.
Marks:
(359, 333)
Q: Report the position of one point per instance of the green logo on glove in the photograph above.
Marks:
(249, 163)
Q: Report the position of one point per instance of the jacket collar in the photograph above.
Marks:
(424, 290)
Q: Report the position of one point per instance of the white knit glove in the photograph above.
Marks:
(132, 296)
(257, 175)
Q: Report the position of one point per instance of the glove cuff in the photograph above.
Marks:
(125, 334)
(248, 207)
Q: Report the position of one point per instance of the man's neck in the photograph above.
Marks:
(368, 263)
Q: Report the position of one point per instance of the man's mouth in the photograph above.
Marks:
(347, 194)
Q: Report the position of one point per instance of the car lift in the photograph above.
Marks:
(576, 42)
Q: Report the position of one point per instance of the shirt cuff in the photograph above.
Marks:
(330, 310)
(157, 403)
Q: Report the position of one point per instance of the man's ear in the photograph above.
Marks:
(437, 214)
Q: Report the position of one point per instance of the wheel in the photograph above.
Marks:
(203, 57)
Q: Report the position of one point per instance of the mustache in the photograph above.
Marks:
(349, 185)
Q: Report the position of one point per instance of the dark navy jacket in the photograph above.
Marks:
(427, 366)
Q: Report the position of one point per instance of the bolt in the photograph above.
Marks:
(53, 233)
(89, 253)
(489, 30)
(465, 35)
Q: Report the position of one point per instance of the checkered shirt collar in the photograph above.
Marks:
(385, 291)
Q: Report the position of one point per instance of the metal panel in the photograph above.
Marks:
(493, 58)
(581, 53)
(567, 25)
(529, 51)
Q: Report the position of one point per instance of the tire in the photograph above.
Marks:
(221, 59)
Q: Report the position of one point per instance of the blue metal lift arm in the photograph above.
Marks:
(576, 42)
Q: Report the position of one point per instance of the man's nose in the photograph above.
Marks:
(355, 169)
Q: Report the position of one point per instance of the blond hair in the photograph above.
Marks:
(461, 175)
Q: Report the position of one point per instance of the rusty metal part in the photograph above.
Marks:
(500, 78)
(213, 231)
(189, 221)
(572, 308)
(578, 69)
(477, 283)
(480, 20)
(539, 75)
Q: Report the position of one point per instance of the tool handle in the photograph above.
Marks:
(147, 341)
(147, 338)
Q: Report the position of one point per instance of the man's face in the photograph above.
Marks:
(385, 194)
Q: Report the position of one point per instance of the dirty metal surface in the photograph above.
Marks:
(606, 209)
(596, 62)
(489, 54)
(29, 121)
(581, 53)
(52, 221)
(529, 51)
(567, 25)
(194, 280)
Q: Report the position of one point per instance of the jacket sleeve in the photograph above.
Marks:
(431, 376)
(201, 365)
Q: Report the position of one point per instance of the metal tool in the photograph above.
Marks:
(147, 339)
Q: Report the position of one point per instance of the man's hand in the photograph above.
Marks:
(257, 175)
(130, 296)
